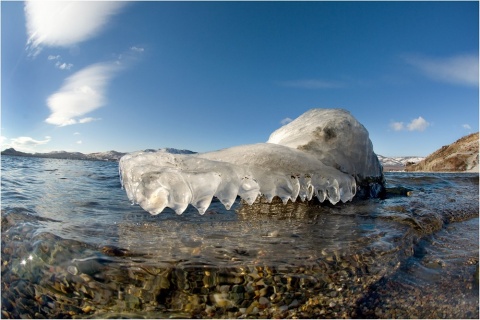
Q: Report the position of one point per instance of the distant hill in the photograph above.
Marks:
(462, 155)
(397, 163)
(13, 152)
(388, 163)
(53, 154)
(103, 156)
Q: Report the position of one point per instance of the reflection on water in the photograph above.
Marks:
(73, 246)
(250, 237)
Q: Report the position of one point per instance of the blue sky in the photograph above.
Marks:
(203, 76)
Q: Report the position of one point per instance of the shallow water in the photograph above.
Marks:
(74, 246)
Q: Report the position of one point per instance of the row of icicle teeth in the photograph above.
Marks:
(304, 191)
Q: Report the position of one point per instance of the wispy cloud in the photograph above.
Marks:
(81, 93)
(460, 69)
(129, 56)
(285, 121)
(88, 119)
(25, 144)
(397, 126)
(66, 23)
(466, 126)
(59, 64)
(137, 49)
(418, 124)
(3, 140)
(63, 66)
(311, 84)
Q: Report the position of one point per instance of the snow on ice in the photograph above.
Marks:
(324, 153)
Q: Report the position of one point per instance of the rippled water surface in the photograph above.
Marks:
(74, 246)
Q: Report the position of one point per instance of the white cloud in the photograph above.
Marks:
(285, 121)
(460, 69)
(3, 140)
(311, 84)
(137, 49)
(24, 144)
(63, 66)
(397, 126)
(88, 119)
(418, 124)
(65, 23)
(81, 93)
(79, 142)
(466, 126)
(76, 133)
(59, 64)
(27, 141)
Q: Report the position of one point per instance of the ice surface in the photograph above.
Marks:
(322, 154)
(334, 137)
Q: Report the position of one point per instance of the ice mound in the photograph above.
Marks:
(325, 153)
(334, 137)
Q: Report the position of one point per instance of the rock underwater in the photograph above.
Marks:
(324, 153)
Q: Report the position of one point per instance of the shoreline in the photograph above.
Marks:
(385, 168)
(402, 169)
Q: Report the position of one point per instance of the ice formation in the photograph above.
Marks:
(325, 153)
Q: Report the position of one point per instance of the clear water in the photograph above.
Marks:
(62, 219)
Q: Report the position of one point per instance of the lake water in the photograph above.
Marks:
(74, 246)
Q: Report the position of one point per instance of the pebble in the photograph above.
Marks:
(330, 288)
(294, 304)
(264, 302)
(221, 299)
(72, 270)
(87, 309)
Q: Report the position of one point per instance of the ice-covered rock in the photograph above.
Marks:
(325, 153)
(337, 139)
(334, 137)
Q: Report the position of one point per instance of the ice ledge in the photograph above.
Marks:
(325, 153)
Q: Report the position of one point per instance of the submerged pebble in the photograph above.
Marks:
(72, 269)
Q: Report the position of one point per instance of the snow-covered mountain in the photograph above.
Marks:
(397, 163)
(115, 155)
(388, 163)
(105, 156)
